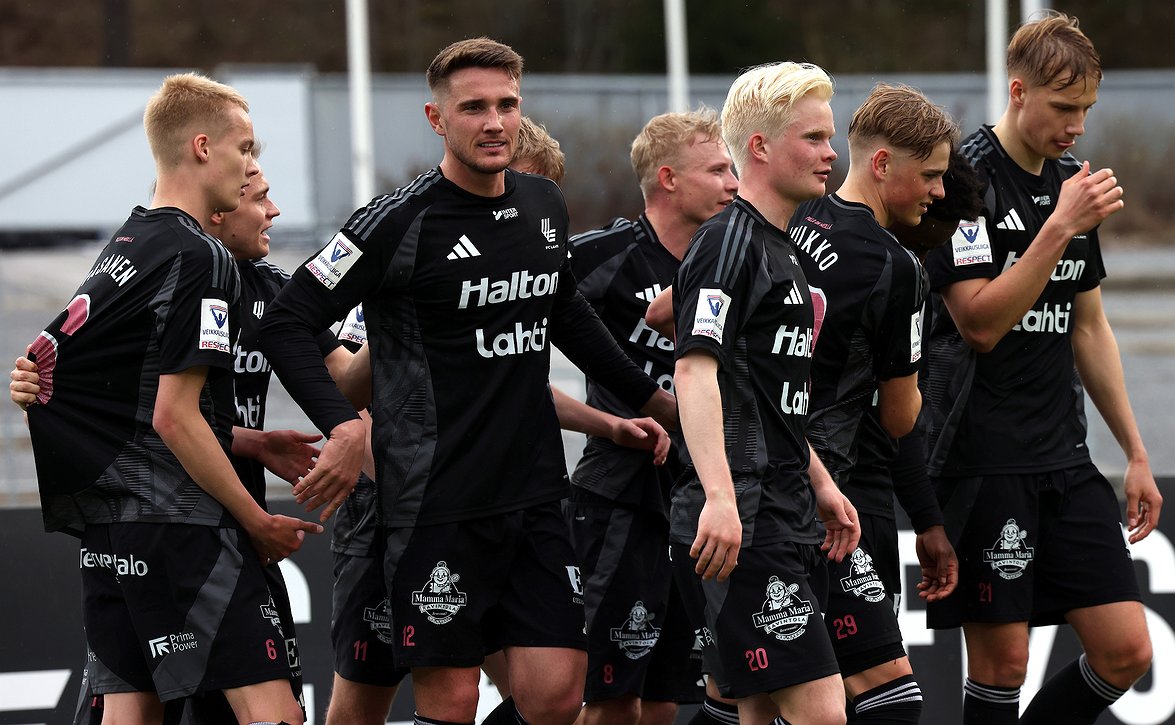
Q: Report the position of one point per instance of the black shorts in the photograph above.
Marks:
(177, 609)
(1032, 547)
(763, 630)
(859, 613)
(360, 626)
(639, 640)
(465, 589)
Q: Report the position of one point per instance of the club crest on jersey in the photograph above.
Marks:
(710, 314)
(784, 615)
(970, 243)
(258, 309)
(548, 234)
(381, 624)
(440, 600)
(862, 580)
(637, 636)
(1009, 556)
(332, 262)
(214, 332)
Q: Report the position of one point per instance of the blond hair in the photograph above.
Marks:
(538, 150)
(661, 141)
(761, 101)
(902, 116)
(1053, 52)
(187, 104)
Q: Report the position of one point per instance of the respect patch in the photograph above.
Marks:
(710, 314)
(971, 244)
(330, 265)
(214, 333)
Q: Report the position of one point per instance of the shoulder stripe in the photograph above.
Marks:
(734, 247)
(975, 149)
(223, 267)
(363, 222)
(267, 266)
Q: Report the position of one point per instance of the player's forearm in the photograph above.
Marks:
(699, 402)
(247, 442)
(659, 316)
(912, 485)
(1099, 364)
(580, 417)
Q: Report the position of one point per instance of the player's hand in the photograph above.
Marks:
(720, 534)
(336, 471)
(643, 433)
(279, 536)
(1088, 199)
(1143, 501)
(940, 567)
(842, 531)
(288, 454)
(25, 383)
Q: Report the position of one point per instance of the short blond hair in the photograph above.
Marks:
(761, 101)
(538, 150)
(187, 104)
(902, 116)
(661, 141)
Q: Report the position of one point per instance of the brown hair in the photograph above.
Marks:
(538, 150)
(1053, 52)
(472, 53)
(186, 104)
(903, 117)
(661, 140)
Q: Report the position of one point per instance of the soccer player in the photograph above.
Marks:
(639, 637)
(1031, 518)
(869, 292)
(464, 280)
(743, 523)
(135, 376)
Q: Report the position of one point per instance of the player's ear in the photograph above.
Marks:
(667, 178)
(1016, 90)
(432, 111)
(757, 146)
(200, 144)
(879, 163)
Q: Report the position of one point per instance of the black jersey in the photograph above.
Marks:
(868, 291)
(461, 295)
(260, 283)
(160, 299)
(741, 296)
(620, 269)
(1020, 407)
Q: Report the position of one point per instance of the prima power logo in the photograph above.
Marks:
(172, 644)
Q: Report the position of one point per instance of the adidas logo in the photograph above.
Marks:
(793, 297)
(463, 249)
(1011, 222)
(648, 293)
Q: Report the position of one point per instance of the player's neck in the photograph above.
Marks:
(861, 192)
(186, 196)
(775, 207)
(471, 180)
(673, 231)
(1014, 146)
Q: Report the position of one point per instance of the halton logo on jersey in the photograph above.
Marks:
(710, 313)
(170, 644)
(637, 636)
(970, 243)
(1010, 556)
(354, 328)
(381, 624)
(798, 341)
(784, 615)
(331, 264)
(440, 599)
(214, 332)
(863, 580)
(520, 286)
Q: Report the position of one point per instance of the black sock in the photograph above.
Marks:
(715, 712)
(990, 704)
(1076, 695)
(505, 714)
(419, 720)
(896, 701)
